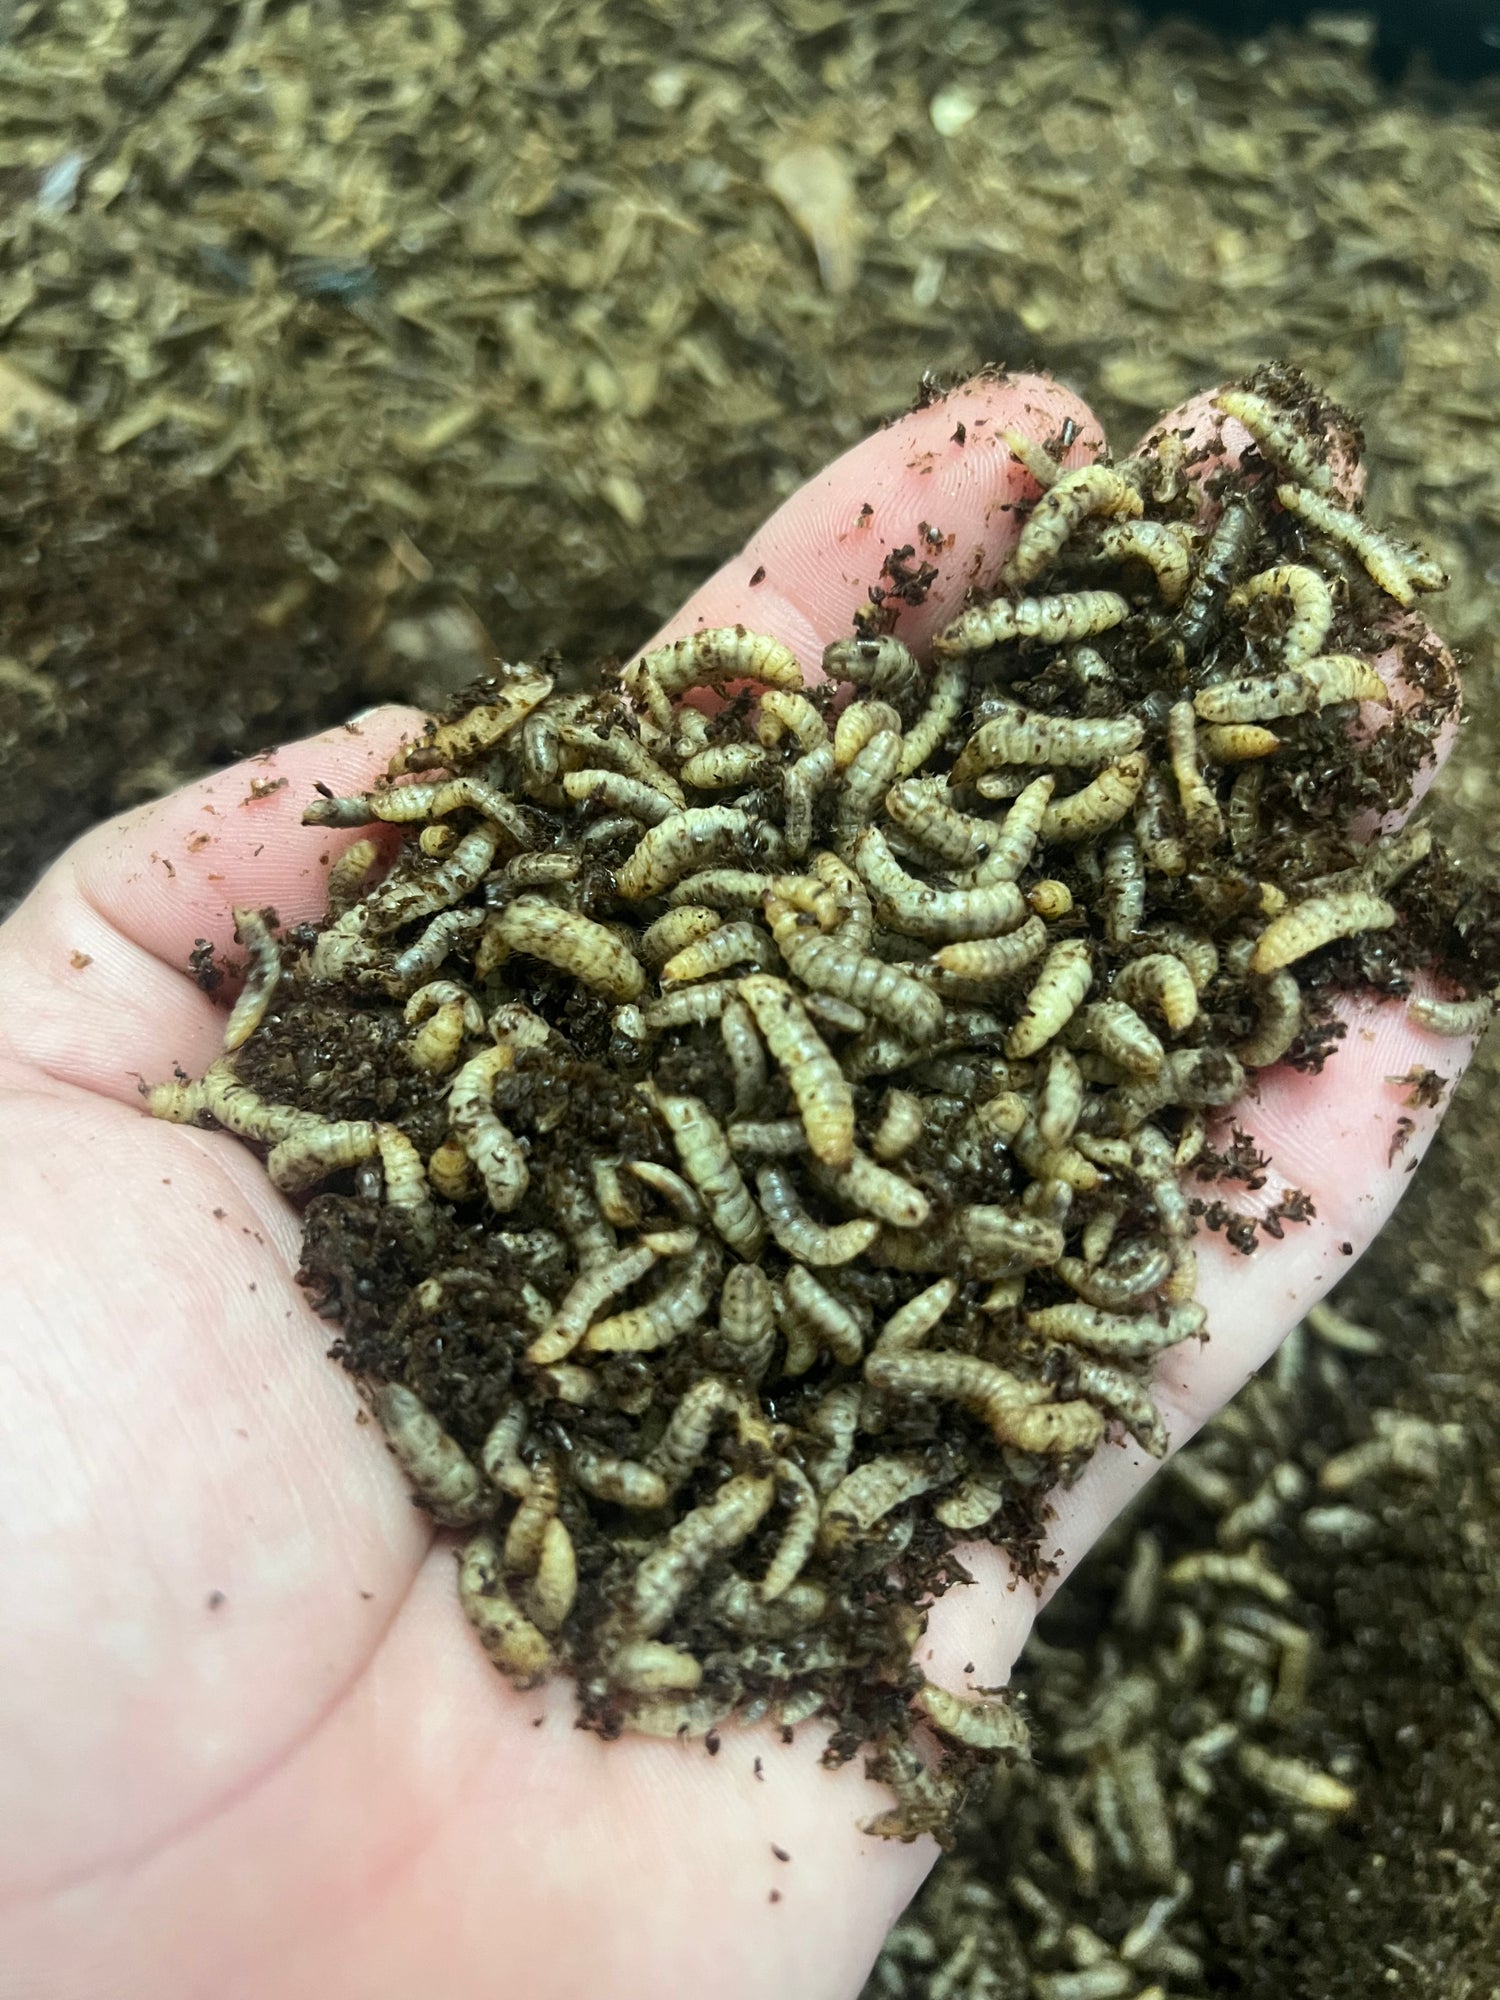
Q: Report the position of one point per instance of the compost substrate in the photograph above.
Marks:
(752, 1146)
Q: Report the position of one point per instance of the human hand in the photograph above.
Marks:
(249, 1746)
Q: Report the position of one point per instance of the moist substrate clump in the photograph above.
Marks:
(748, 1152)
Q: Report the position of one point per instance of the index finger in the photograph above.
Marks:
(938, 491)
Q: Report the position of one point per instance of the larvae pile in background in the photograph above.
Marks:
(754, 1152)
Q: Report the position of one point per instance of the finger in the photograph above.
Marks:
(1222, 440)
(943, 472)
(93, 966)
(442, 1834)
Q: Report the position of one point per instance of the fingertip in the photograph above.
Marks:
(169, 874)
(923, 511)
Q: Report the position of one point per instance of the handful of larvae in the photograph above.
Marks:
(752, 1144)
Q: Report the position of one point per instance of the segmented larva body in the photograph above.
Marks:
(1066, 975)
(1311, 604)
(818, 1083)
(574, 944)
(945, 701)
(1400, 572)
(1068, 501)
(1100, 804)
(1309, 926)
(715, 659)
(1455, 1020)
(922, 911)
(678, 844)
(1163, 546)
(710, 1166)
(1075, 614)
(1317, 684)
(450, 1485)
(1019, 736)
(1279, 437)
(883, 666)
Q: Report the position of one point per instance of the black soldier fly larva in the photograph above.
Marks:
(746, 1149)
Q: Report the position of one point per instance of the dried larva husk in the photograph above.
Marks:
(882, 665)
(1121, 1336)
(1226, 554)
(980, 1722)
(716, 659)
(817, 1082)
(449, 1484)
(1056, 995)
(1454, 1020)
(1165, 547)
(1022, 736)
(1020, 1414)
(1071, 499)
(1160, 981)
(945, 700)
(1076, 614)
(1309, 926)
(262, 976)
(1279, 437)
(679, 1305)
(719, 1525)
(1100, 804)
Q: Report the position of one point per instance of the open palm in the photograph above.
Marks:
(248, 1746)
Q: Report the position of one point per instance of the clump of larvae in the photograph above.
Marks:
(744, 1121)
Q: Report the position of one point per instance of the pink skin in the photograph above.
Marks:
(317, 1785)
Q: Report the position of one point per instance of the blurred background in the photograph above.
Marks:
(343, 347)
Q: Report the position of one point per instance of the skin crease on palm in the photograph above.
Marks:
(249, 1748)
